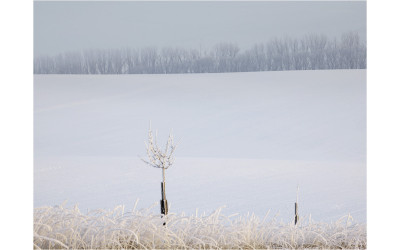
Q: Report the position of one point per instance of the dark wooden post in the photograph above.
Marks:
(296, 209)
(163, 201)
(296, 214)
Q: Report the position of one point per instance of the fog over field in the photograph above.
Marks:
(266, 101)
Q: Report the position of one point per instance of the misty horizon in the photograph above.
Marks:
(312, 52)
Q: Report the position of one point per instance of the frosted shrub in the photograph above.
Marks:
(60, 228)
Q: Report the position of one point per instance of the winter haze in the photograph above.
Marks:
(74, 26)
(247, 139)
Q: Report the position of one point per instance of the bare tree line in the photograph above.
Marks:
(311, 52)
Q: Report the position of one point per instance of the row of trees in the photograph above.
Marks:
(309, 53)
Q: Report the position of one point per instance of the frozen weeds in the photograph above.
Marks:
(60, 227)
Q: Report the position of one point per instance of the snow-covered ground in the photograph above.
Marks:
(246, 141)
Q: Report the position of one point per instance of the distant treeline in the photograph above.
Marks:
(312, 52)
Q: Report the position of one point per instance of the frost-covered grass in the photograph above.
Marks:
(61, 227)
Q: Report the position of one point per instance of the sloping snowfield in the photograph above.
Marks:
(246, 141)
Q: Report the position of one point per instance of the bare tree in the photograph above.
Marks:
(225, 54)
(160, 158)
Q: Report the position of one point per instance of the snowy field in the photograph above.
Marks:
(246, 141)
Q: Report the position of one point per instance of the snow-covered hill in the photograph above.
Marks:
(247, 141)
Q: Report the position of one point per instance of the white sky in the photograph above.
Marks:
(69, 26)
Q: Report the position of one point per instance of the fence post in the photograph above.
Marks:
(296, 209)
(163, 202)
(296, 214)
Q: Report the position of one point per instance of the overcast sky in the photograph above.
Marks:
(72, 26)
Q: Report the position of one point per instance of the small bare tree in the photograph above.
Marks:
(160, 158)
